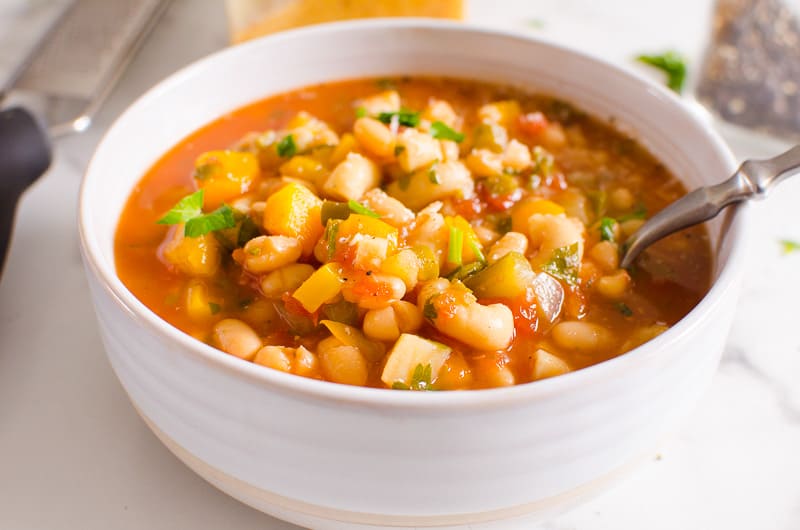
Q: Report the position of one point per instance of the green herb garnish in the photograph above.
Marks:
(623, 308)
(607, 229)
(398, 149)
(215, 308)
(476, 250)
(219, 219)
(504, 224)
(465, 271)
(564, 264)
(599, 199)
(788, 246)
(455, 247)
(429, 310)
(405, 117)
(187, 208)
(204, 171)
(420, 379)
(286, 147)
(361, 112)
(441, 131)
(543, 161)
(385, 84)
(357, 207)
(672, 64)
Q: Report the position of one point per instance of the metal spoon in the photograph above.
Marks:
(753, 180)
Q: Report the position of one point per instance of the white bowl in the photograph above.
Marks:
(331, 456)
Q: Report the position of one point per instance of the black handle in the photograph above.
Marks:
(24, 155)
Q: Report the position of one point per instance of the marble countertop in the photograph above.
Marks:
(74, 454)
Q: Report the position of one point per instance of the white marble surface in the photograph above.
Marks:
(73, 453)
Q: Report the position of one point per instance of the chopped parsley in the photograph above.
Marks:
(543, 161)
(204, 171)
(429, 310)
(361, 112)
(215, 308)
(788, 246)
(398, 149)
(672, 64)
(623, 308)
(504, 224)
(455, 247)
(357, 207)
(607, 229)
(564, 264)
(420, 379)
(189, 210)
(598, 198)
(286, 147)
(441, 131)
(405, 117)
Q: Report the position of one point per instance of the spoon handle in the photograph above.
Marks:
(753, 179)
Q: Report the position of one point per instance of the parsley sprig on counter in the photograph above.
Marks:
(189, 210)
(672, 64)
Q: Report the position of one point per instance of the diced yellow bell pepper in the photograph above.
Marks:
(224, 175)
(351, 336)
(294, 211)
(370, 226)
(323, 285)
(528, 207)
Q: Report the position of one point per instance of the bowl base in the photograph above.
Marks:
(324, 518)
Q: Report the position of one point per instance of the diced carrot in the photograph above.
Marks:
(294, 211)
(224, 175)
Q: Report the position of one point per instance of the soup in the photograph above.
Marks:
(411, 233)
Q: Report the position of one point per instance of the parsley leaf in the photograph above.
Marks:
(361, 112)
(187, 208)
(607, 229)
(788, 246)
(247, 231)
(672, 64)
(405, 117)
(433, 176)
(543, 161)
(564, 264)
(429, 310)
(286, 147)
(420, 379)
(357, 207)
(623, 308)
(219, 219)
(214, 307)
(441, 131)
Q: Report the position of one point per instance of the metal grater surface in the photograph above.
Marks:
(84, 50)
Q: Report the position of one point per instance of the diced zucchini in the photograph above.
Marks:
(409, 352)
(509, 277)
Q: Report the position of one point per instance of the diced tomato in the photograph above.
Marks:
(469, 209)
(501, 203)
(532, 123)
